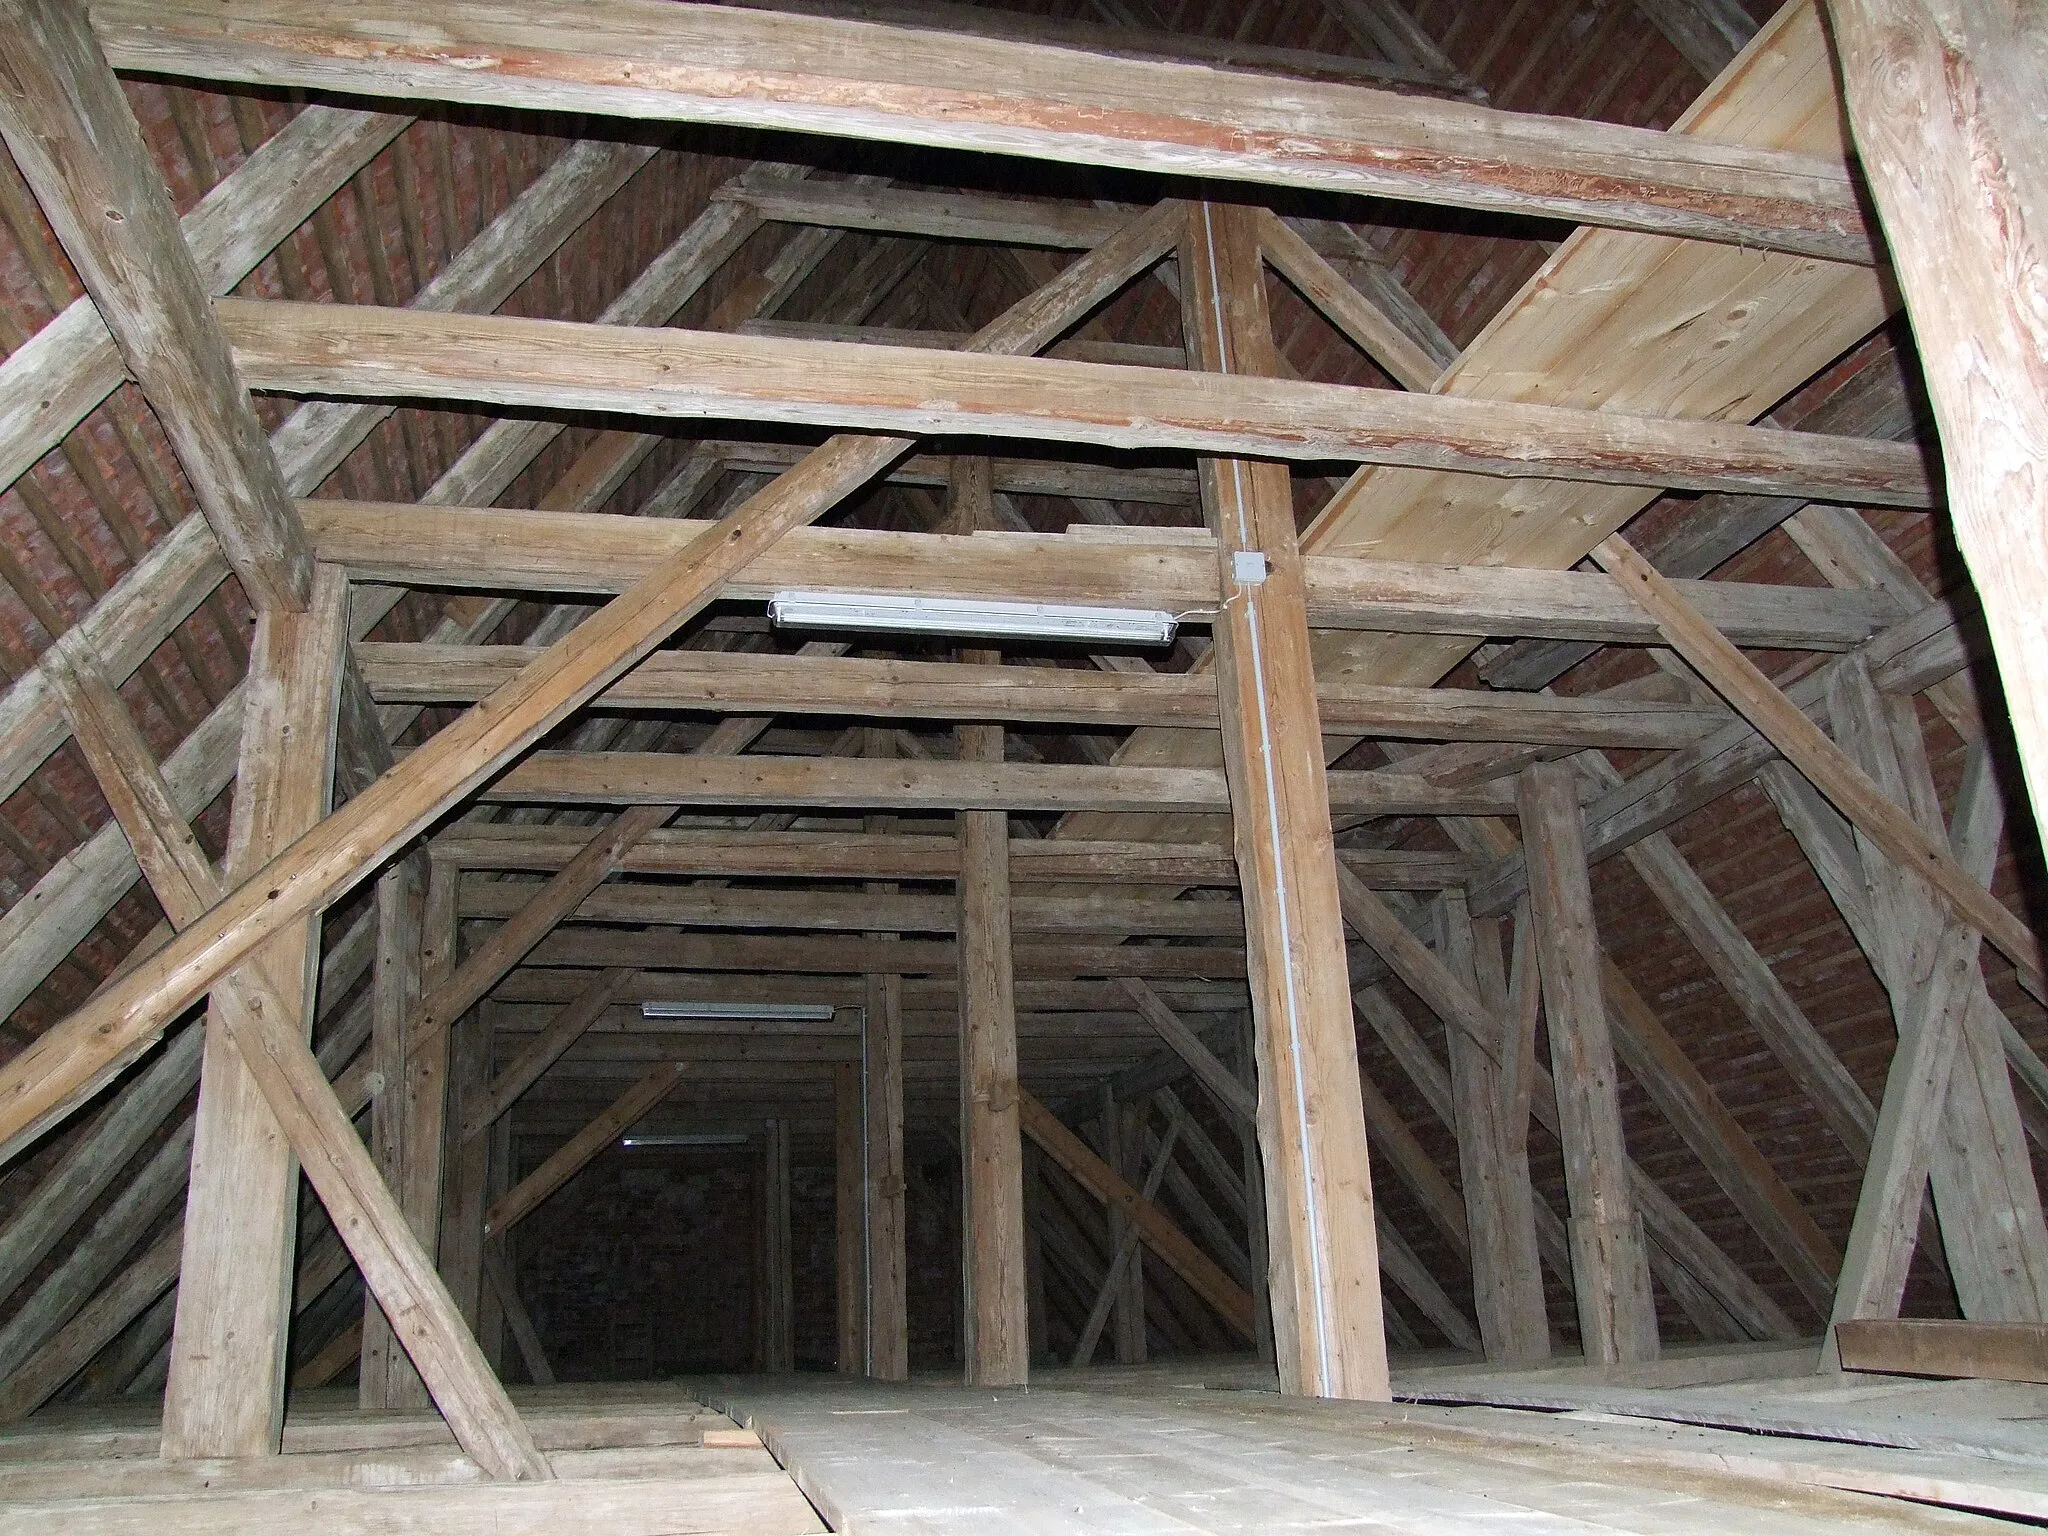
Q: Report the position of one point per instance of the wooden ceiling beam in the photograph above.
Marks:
(151, 600)
(665, 778)
(493, 547)
(909, 856)
(49, 1079)
(664, 374)
(673, 950)
(701, 63)
(856, 911)
(726, 682)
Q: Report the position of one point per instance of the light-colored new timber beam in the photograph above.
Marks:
(315, 1125)
(632, 1105)
(1832, 771)
(491, 547)
(72, 1057)
(78, 146)
(1944, 102)
(702, 63)
(561, 365)
(1328, 1324)
(738, 683)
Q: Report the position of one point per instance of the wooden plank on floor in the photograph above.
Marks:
(1945, 1347)
(759, 1503)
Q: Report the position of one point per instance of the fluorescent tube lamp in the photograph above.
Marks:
(814, 1013)
(969, 616)
(702, 1139)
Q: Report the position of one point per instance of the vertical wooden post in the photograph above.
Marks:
(492, 1318)
(408, 1120)
(1125, 1131)
(468, 1160)
(994, 1288)
(1493, 1154)
(1039, 1320)
(888, 1317)
(886, 1325)
(1610, 1264)
(849, 1217)
(1253, 1171)
(1944, 101)
(778, 1302)
(225, 1391)
(395, 991)
(1324, 1249)
(1948, 1107)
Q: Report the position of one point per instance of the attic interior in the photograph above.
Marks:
(1303, 799)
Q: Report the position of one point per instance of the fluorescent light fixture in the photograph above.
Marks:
(969, 616)
(702, 1139)
(815, 1013)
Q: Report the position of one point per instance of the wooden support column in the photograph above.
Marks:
(1493, 1149)
(1324, 1251)
(995, 1289)
(468, 1161)
(778, 1301)
(416, 936)
(225, 1393)
(1034, 1254)
(1944, 101)
(1124, 1289)
(1610, 1265)
(849, 1217)
(1253, 1171)
(1948, 1105)
(888, 1317)
(885, 1307)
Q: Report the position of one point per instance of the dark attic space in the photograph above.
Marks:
(1053, 766)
